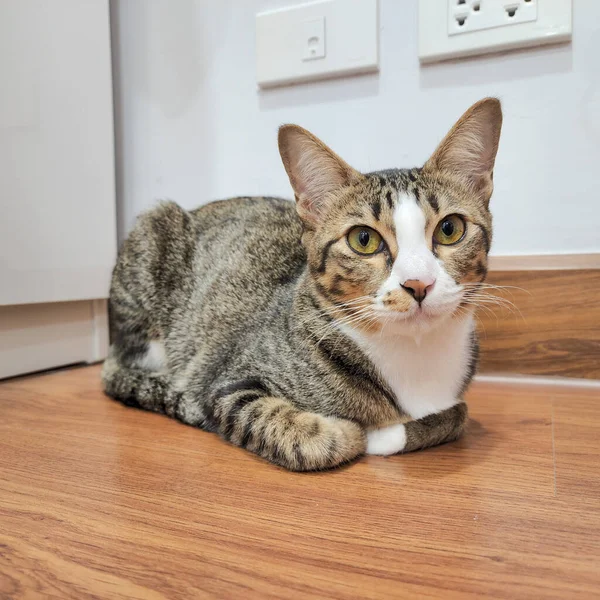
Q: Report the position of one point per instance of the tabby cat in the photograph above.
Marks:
(313, 333)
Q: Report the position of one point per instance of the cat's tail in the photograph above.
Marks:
(247, 416)
(285, 435)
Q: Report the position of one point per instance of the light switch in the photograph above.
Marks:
(313, 35)
(316, 40)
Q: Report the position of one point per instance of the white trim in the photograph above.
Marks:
(99, 335)
(542, 381)
(36, 337)
(544, 262)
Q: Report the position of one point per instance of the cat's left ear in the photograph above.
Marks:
(316, 172)
(469, 149)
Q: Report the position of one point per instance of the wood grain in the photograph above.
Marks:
(101, 501)
(555, 331)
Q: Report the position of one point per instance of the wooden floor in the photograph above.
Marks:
(101, 501)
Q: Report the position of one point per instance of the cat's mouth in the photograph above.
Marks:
(400, 315)
(418, 313)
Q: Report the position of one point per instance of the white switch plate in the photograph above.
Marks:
(456, 28)
(316, 41)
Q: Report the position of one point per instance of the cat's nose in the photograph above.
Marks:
(418, 289)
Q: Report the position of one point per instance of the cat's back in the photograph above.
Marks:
(249, 238)
(247, 221)
(224, 248)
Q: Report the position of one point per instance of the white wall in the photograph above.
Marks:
(193, 127)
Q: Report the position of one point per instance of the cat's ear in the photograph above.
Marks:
(315, 171)
(469, 149)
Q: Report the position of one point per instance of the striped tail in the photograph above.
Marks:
(276, 430)
(245, 415)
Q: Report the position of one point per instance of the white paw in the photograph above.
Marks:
(386, 441)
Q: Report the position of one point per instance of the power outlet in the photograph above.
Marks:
(465, 16)
(457, 28)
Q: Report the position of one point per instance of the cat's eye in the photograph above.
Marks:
(449, 230)
(364, 240)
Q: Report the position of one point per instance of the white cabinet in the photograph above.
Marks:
(57, 188)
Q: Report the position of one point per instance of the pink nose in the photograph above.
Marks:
(417, 289)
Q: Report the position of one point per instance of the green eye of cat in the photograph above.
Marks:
(364, 240)
(449, 230)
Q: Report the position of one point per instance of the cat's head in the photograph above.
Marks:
(397, 249)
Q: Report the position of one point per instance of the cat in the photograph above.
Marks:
(315, 332)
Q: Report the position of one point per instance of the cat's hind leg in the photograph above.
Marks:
(149, 282)
(134, 386)
(438, 428)
(151, 391)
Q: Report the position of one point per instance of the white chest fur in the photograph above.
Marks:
(425, 375)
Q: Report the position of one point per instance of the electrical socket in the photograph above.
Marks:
(450, 29)
(465, 16)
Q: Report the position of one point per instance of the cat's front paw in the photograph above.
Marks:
(386, 441)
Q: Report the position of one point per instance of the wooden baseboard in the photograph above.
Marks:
(554, 329)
